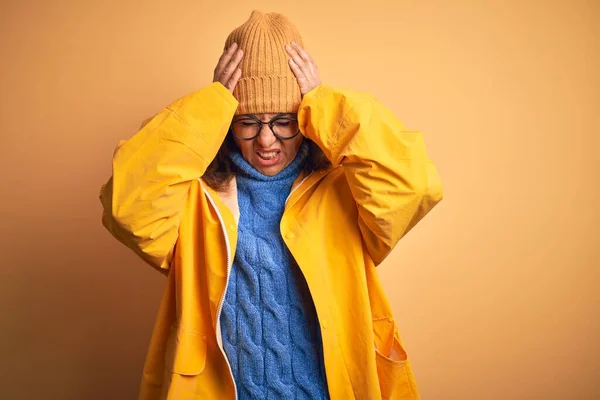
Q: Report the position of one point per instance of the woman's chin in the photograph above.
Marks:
(271, 170)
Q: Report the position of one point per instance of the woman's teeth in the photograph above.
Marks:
(268, 155)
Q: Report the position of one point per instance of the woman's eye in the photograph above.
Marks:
(282, 123)
(248, 123)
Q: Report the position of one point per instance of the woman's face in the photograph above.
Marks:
(266, 153)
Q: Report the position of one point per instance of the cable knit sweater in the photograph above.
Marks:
(270, 329)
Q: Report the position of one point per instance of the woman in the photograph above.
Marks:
(268, 199)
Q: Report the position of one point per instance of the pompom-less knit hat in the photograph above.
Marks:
(267, 84)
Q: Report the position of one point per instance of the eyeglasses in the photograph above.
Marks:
(249, 127)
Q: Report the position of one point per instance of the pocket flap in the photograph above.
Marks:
(186, 352)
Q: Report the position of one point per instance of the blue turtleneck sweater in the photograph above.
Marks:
(269, 324)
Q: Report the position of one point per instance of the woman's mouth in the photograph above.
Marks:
(268, 158)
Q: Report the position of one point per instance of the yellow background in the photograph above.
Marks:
(496, 291)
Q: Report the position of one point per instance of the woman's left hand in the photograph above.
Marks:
(303, 67)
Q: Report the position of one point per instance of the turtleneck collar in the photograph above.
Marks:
(292, 170)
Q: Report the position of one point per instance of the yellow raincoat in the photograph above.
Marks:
(339, 224)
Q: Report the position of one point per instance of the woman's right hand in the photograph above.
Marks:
(227, 71)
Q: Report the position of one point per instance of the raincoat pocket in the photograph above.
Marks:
(186, 352)
(390, 369)
(390, 356)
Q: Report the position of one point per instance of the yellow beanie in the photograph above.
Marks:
(267, 84)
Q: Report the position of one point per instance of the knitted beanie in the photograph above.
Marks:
(267, 84)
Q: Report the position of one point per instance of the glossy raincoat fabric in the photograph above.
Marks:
(338, 224)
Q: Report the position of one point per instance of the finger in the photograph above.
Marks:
(309, 68)
(234, 80)
(314, 69)
(294, 54)
(296, 70)
(303, 54)
(236, 60)
(303, 80)
(296, 58)
(225, 57)
(232, 65)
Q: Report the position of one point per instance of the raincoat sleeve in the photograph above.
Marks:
(153, 170)
(393, 182)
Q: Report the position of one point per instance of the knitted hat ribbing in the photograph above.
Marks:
(267, 84)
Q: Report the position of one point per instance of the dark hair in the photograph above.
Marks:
(220, 171)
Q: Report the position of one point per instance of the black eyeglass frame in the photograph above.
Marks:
(270, 123)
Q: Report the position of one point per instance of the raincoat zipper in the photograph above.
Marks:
(297, 186)
(229, 263)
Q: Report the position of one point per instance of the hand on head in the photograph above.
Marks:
(303, 67)
(228, 70)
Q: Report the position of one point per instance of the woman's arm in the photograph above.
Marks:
(153, 170)
(393, 182)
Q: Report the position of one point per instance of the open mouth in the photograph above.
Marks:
(267, 158)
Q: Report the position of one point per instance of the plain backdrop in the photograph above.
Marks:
(496, 291)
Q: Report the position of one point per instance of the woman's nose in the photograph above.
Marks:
(266, 137)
